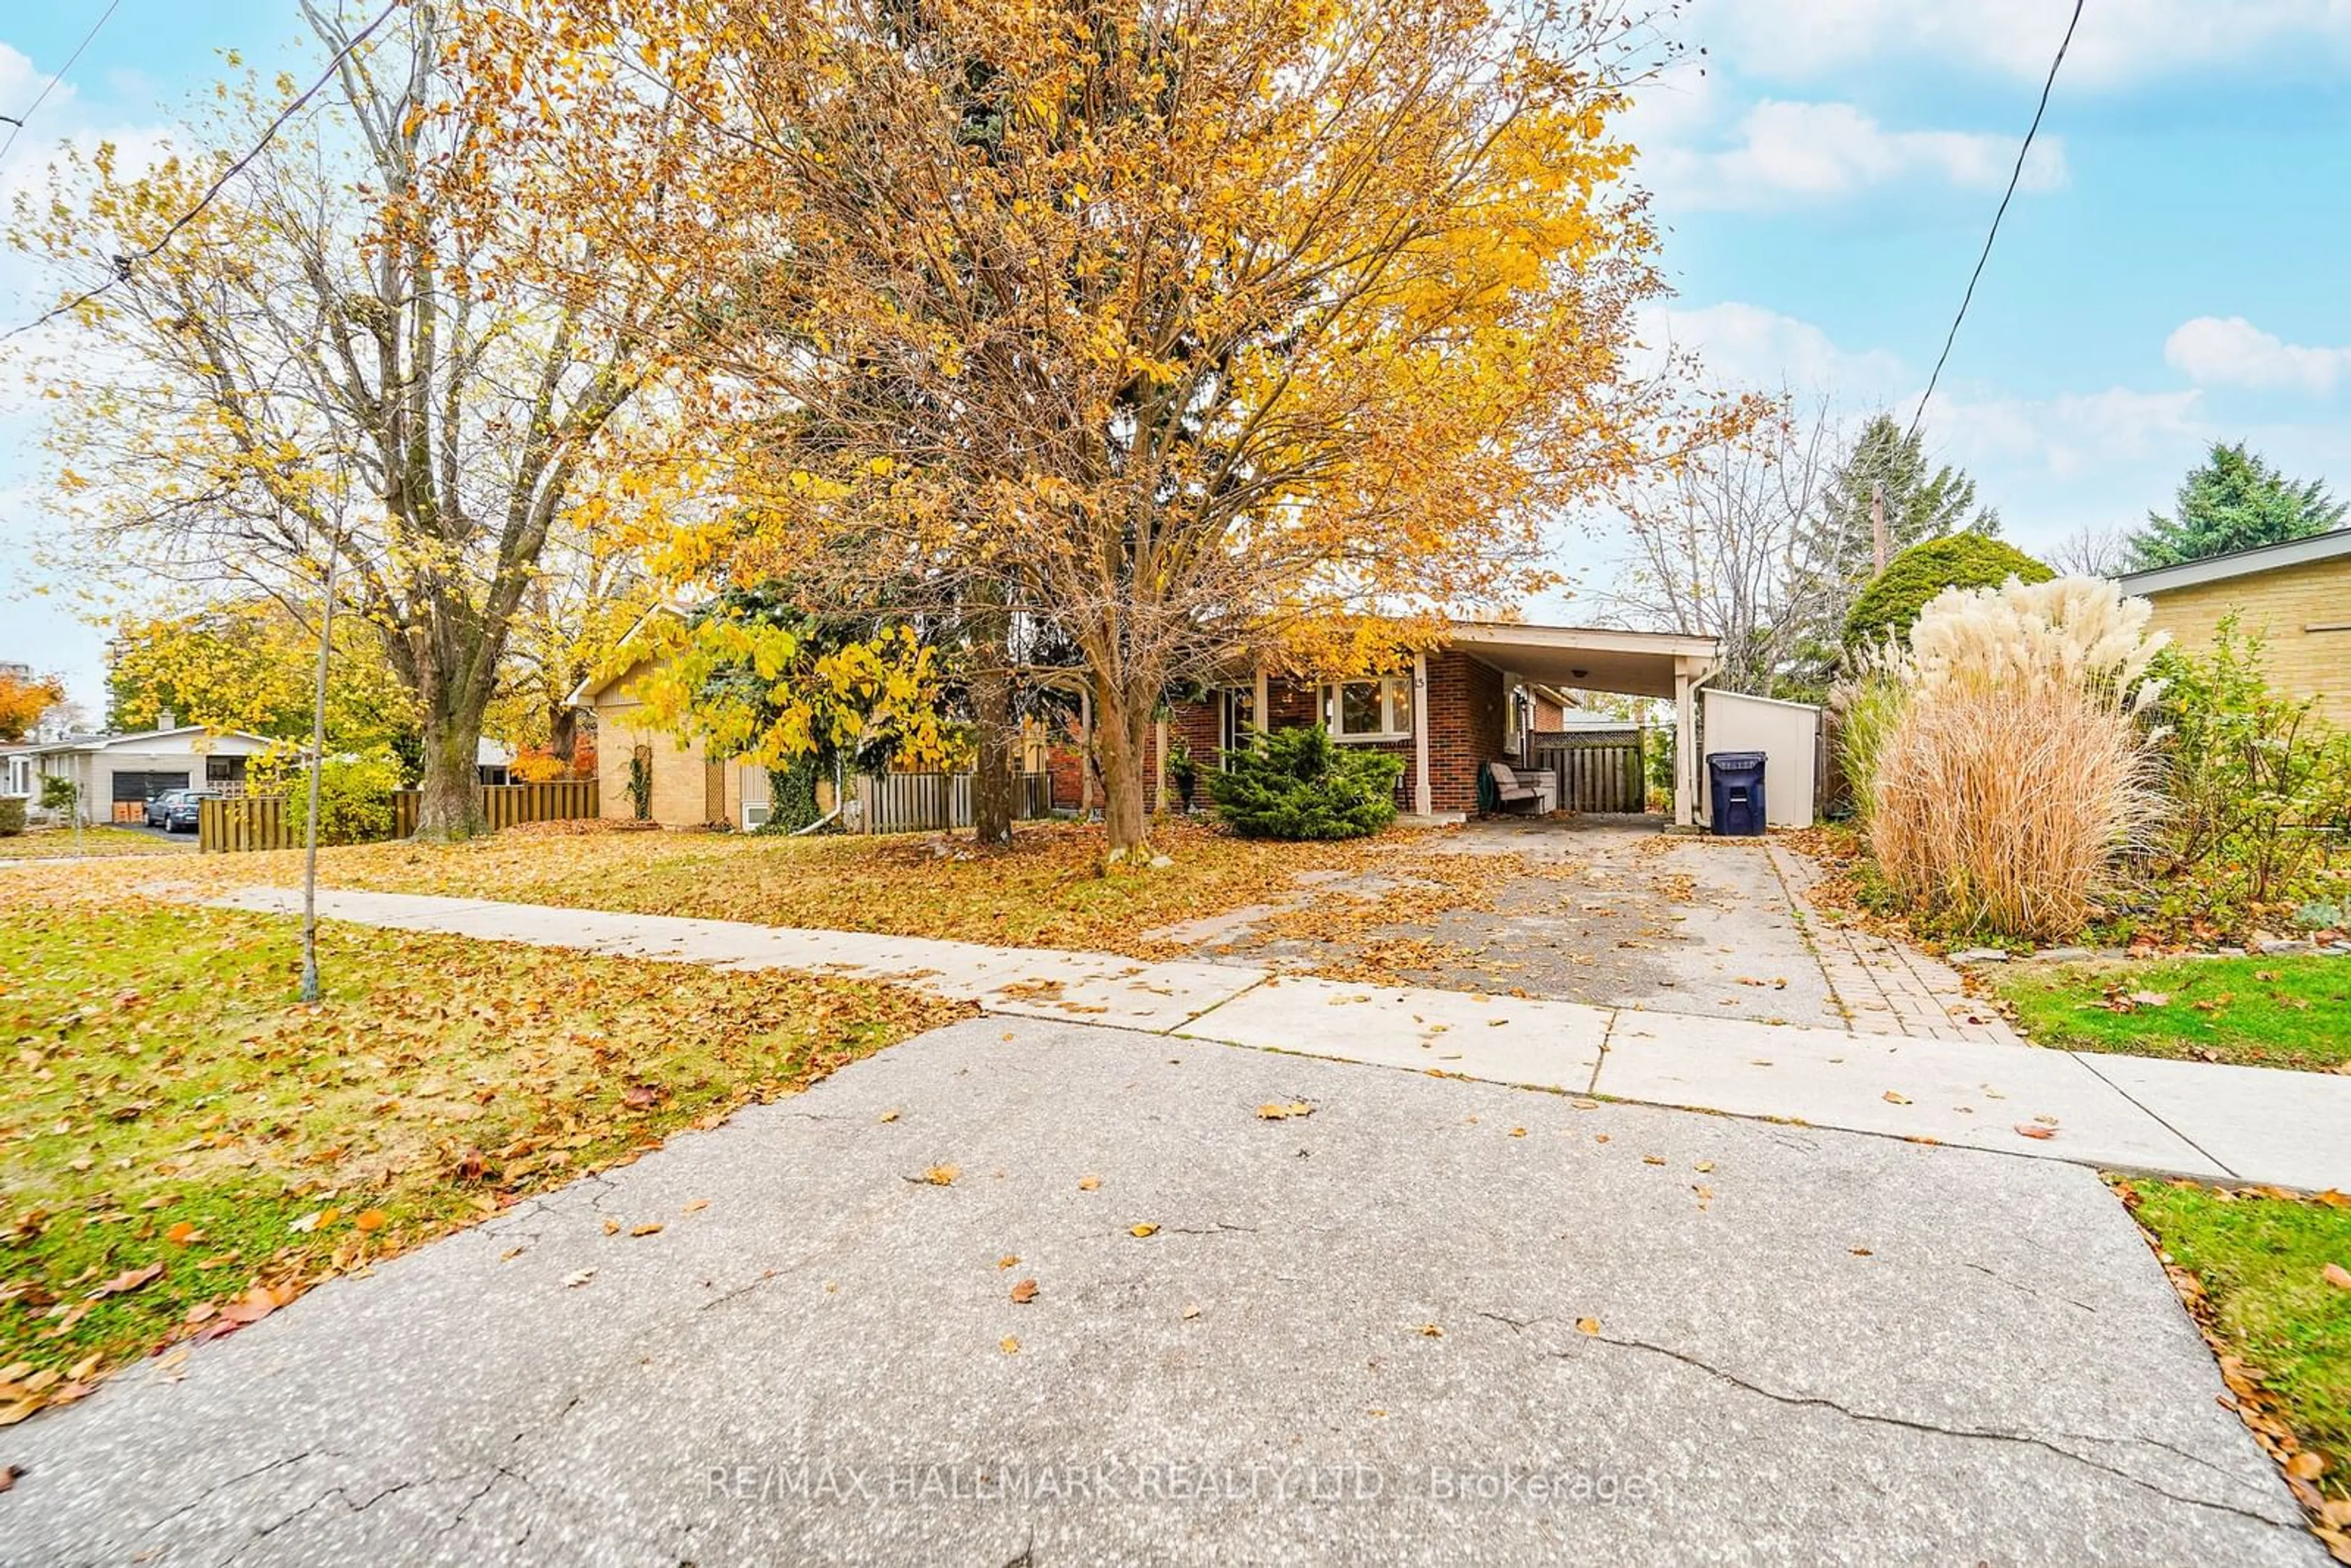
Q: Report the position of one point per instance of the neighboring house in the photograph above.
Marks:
(493, 761)
(1470, 701)
(2296, 595)
(691, 789)
(119, 773)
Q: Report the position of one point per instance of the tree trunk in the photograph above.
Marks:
(1121, 720)
(446, 807)
(988, 637)
(563, 732)
(991, 786)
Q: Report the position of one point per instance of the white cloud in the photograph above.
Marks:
(1784, 152)
(2117, 41)
(2213, 351)
(1748, 345)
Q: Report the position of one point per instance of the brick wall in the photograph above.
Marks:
(1466, 712)
(1465, 728)
(2281, 605)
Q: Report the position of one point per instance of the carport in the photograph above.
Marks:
(1666, 665)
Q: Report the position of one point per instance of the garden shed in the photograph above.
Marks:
(1788, 734)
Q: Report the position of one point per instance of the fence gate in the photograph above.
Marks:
(1598, 769)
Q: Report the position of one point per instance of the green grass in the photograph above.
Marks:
(58, 844)
(2262, 1261)
(2284, 1012)
(170, 1103)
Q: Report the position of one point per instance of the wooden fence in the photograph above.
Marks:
(262, 821)
(508, 805)
(1599, 770)
(921, 802)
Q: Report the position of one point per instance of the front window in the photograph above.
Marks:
(1369, 710)
(219, 769)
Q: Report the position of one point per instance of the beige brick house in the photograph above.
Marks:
(2296, 595)
(691, 789)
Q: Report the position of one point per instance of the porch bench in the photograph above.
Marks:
(1512, 794)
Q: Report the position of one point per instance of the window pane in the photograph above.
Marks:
(1359, 708)
(1400, 704)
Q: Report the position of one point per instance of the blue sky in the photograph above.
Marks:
(2173, 271)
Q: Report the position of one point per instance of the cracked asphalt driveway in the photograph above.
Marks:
(1430, 1321)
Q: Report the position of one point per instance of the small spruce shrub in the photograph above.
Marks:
(1301, 784)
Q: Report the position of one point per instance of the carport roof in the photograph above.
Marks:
(1589, 658)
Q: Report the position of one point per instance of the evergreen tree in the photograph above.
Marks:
(1918, 505)
(2233, 501)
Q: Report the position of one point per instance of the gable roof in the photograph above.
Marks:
(595, 685)
(2239, 563)
(107, 742)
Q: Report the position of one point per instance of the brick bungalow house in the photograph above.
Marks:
(2296, 595)
(1460, 706)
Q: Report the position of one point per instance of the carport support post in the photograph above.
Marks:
(1422, 800)
(1685, 743)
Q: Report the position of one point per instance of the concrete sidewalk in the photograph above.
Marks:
(2243, 1123)
(1428, 1322)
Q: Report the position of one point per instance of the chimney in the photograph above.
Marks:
(167, 719)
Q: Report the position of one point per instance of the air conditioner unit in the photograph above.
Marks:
(755, 816)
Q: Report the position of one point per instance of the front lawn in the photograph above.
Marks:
(1048, 889)
(2259, 1280)
(54, 844)
(2282, 1011)
(184, 1149)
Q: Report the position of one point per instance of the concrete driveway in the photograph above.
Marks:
(1430, 1321)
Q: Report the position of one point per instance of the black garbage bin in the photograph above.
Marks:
(1737, 781)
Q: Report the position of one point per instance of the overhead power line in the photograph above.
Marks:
(124, 265)
(16, 122)
(2014, 175)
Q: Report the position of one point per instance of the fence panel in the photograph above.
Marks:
(262, 822)
(933, 802)
(238, 824)
(1599, 770)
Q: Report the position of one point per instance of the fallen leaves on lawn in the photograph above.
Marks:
(2336, 1275)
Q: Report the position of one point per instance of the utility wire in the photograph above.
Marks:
(123, 264)
(18, 124)
(2013, 176)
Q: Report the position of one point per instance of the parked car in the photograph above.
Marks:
(159, 809)
(175, 811)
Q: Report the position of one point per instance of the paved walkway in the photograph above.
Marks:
(1427, 1322)
(2197, 1119)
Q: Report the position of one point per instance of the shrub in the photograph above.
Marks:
(1863, 709)
(2015, 769)
(12, 816)
(1301, 784)
(533, 766)
(791, 797)
(354, 798)
(2250, 774)
(641, 783)
(1891, 604)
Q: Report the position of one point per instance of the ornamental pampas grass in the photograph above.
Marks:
(2017, 769)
